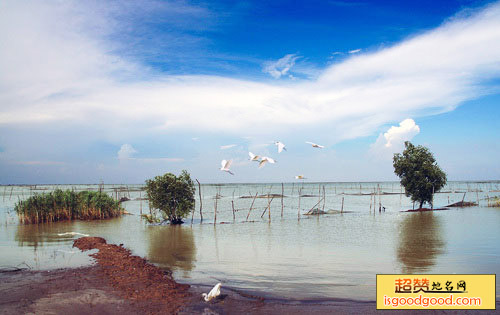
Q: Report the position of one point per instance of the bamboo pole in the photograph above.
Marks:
(232, 205)
(215, 209)
(140, 200)
(268, 207)
(342, 208)
(324, 198)
(298, 212)
(371, 197)
(282, 193)
(463, 198)
(251, 205)
(201, 202)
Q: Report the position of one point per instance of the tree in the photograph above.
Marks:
(420, 175)
(172, 195)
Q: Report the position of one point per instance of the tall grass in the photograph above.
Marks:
(65, 205)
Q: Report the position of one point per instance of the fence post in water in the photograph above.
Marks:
(342, 208)
(268, 207)
(140, 200)
(252, 205)
(324, 198)
(298, 212)
(463, 198)
(232, 205)
(199, 192)
(282, 193)
(215, 208)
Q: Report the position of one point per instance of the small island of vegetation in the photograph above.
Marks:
(66, 205)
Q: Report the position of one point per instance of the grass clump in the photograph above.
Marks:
(494, 202)
(66, 205)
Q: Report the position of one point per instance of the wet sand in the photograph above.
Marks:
(122, 283)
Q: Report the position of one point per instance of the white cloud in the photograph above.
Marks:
(393, 140)
(280, 67)
(126, 151)
(56, 69)
(229, 146)
(354, 51)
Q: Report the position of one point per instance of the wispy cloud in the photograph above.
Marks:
(38, 163)
(280, 67)
(355, 51)
(56, 69)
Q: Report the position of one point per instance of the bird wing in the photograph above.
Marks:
(223, 164)
(281, 146)
(270, 160)
(228, 164)
(215, 291)
(264, 160)
(311, 143)
(252, 156)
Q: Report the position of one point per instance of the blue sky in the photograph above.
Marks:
(123, 91)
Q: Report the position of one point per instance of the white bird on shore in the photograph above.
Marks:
(253, 157)
(266, 159)
(280, 146)
(315, 145)
(225, 166)
(300, 177)
(215, 292)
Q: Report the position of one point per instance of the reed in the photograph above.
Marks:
(66, 205)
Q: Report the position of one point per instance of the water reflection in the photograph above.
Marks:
(34, 235)
(172, 247)
(420, 242)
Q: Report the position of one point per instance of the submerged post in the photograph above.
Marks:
(199, 192)
(282, 193)
(298, 212)
(342, 208)
(251, 205)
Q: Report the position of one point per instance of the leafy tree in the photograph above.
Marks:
(172, 195)
(420, 175)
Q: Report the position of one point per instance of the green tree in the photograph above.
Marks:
(420, 175)
(172, 195)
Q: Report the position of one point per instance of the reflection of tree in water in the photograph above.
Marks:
(420, 242)
(171, 246)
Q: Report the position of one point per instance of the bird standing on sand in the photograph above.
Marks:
(266, 159)
(280, 146)
(215, 292)
(225, 166)
(253, 157)
(315, 145)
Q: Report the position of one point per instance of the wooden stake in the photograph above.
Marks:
(282, 193)
(251, 205)
(268, 207)
(298, 212)
(199, 192)
(232, 204)
(215, 209)
(324, 198)
(342, 208)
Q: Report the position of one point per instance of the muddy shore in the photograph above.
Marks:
(123, 283)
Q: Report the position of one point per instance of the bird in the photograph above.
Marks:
(253, 157)
(225, 166)
(266, 159)
(315, 145)
(300, 177)
(280, 145)
(215, 292)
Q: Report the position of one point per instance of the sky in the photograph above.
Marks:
(122, 91)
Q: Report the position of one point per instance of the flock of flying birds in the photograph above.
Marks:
(226, 164)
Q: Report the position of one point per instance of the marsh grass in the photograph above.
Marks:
(66, 205)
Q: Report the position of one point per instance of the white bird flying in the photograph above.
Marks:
(253, 157)
(300, 177)
(266, 159)
(315, 145)
(226, 165)
(215, 292)
(280, 145)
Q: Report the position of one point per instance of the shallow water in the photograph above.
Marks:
(317, 257)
